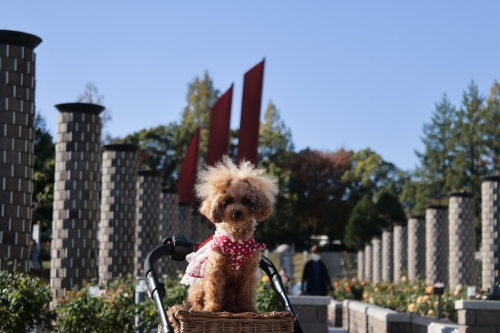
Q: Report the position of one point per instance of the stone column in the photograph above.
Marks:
(387, 256)
(416, 248)
(400, 242)
(17, 112)
(377, 260)
(168, 228)
(76, 196)
(196, 227)
(490, 220)
(436, 244)
(361, 265)
(147, 216)
(116, 229)
(461, 240)
(368, 262)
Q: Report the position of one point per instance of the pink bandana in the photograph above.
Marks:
(239, 250)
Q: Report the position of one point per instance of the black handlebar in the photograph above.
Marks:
(178, 247)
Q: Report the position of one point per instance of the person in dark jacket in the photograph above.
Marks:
(315, 278)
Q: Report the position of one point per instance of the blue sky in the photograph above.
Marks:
(344, 74)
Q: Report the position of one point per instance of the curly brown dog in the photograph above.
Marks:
(223, 274)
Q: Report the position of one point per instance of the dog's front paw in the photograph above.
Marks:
(213, 307)
(197, 307)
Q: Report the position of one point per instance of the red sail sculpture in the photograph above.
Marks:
(187, 175)
(219, 134)
(248, 140)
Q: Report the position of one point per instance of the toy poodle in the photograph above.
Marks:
(224, 272)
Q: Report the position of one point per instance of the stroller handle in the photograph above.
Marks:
(177, 248)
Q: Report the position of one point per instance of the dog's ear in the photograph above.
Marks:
(211, 208)
(263, 206)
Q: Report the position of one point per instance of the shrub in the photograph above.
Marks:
(267, 300)
(24, 303)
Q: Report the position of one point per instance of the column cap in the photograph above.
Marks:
(169, 190)
(121, 147)
(437, 207)
(80, 107)
(460, 194)
(19, 38)
(417, 217)
(491, 178)
(152, 173)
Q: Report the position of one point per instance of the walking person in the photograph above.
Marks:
(315, 278)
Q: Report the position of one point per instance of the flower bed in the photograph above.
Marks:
(417, 298)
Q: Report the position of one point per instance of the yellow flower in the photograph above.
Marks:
(388, 302)
(265, 278)
(428, 289)
(411, 307)
(436, 303)
(403, 278)
(430, 312)
(346, 284)
(458, 287)
(419, 299)
(376, 289)
(425, 298)
(456, 292)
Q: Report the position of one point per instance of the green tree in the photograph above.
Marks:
(201, 97)
(469, 163)
(491, 129)
(43, 173)
(275, 153)
(389, 209)
(363, 223)
(436, 175)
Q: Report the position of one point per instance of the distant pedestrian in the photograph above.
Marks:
(315, 278)
(34, 254)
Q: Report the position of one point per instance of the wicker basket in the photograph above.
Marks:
(225, 322)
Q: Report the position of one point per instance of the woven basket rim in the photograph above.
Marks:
(184, 314)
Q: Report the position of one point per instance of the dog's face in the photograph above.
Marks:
(238, 203)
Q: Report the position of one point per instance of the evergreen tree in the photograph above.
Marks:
(389, 210)
(491, 129)
(436, 176)
(469, 163)
(43, 173)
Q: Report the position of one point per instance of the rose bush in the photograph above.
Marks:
(405, 297)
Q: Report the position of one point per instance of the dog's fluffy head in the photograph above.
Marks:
(235, 193)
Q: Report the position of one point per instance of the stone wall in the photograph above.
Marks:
(116, 228)
(334, 313)
(312, 312)
(478, 316)
(17, 113)
(76, 196)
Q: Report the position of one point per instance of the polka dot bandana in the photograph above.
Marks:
(239, 250)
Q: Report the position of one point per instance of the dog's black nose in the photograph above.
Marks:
(236, 214)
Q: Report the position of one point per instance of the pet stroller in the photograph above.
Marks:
(178, 247)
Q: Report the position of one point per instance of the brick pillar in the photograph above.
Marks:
(400, 256)
(147, 216)
(116, 229)
(368, 262)
(490, 219)
(387, 256)
(461, 240)
(361, 265)
(436, 244)
(76, 196)
(416, 248)
(184, 228)
(377, 259)
(17, 111)
(168, 228)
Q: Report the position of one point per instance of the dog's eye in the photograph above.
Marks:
(229, 201)
(245, 201)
